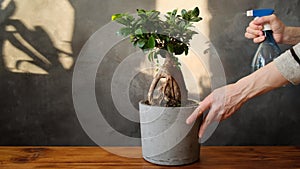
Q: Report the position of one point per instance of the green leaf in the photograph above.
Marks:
(196, 19)
(122, 21)
(183, 12)
(115, 16)
(149, 13)
(174, 12)
(132, 37)
(151, 42)
(129, 18)
(185, 17)
(138, 31)
(182, 24)
(188, 25)
(134, 43)
(196, 12)
(139, 11)
(178, 49)
(141, 43)
(154, 14)
(186, 50)
(125, 31)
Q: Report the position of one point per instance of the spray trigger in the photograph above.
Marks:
(260, 12)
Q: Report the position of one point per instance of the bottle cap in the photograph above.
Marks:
(260, 12)
(267, 27)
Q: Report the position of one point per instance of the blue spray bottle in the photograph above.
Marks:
(268, 49)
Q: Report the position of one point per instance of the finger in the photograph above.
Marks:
(259, 39)
(204, 105)
(209, 118)
(256, 32)
(264, 19)
(250, 36)
(197, 112)
(256, 39)
(255, 26)
(203, 127)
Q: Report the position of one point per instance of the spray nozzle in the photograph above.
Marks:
(260, 12)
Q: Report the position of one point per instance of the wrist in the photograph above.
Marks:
(242, 90)
(261, 81)
(291, 35)
(254, 84)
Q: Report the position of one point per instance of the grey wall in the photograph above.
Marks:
(38, 109)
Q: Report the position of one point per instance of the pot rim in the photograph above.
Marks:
(194, 103)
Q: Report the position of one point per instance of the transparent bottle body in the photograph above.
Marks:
(267, 51)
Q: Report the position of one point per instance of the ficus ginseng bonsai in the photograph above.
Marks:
(166, 38)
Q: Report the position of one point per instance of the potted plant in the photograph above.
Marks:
(166, 139)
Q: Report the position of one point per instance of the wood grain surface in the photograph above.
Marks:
(212, 157)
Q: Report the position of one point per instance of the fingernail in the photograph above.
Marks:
(200, 136)
(261, 38)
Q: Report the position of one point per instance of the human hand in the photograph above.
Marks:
(222, 102)
(225, 101)
(255, 27)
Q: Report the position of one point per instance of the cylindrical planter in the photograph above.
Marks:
(166, 138)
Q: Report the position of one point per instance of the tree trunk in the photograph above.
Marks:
(170, 83)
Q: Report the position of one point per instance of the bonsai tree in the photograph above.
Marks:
(168, 39)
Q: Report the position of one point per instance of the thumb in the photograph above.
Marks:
(264, 19)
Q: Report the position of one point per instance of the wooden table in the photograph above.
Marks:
(213, 157)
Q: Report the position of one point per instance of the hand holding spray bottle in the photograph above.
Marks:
(267, 50)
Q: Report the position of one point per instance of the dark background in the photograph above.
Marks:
(38, 109)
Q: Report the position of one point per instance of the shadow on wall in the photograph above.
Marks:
(36, 102)
(31, 49)
(39, 42)
(271, 119)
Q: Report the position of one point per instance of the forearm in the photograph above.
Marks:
(291, 35)
(261, 81)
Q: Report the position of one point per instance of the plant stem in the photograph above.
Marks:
(173, 90)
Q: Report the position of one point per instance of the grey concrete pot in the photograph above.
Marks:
(166, 138)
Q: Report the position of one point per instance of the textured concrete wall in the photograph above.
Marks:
(39, 42)
(36, 96)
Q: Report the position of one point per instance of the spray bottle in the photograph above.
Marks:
(267, 50)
